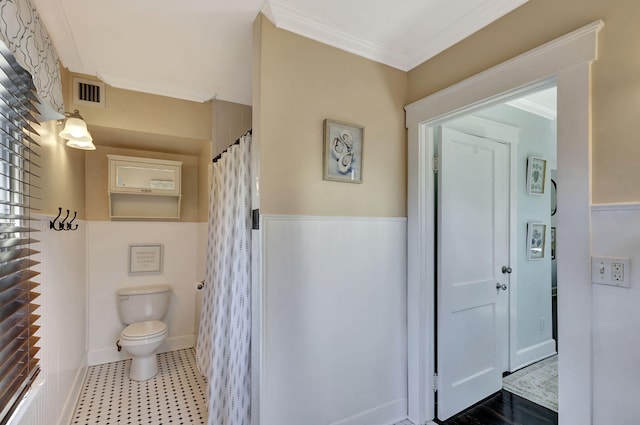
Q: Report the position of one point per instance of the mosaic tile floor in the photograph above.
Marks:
(175, 396)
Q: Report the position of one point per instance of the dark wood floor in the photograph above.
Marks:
(504, 408)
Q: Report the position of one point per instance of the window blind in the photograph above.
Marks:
(19, 364)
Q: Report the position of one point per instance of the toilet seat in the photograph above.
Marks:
(143, 330)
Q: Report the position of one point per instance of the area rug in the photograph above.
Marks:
(537, 382)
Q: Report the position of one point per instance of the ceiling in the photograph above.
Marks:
(201, 49)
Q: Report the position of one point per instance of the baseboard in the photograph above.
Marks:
(108, 355)
(386, 414)
(533, 354)
(74, 394)
(178, 343)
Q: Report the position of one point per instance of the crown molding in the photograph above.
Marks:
(289, 19)
(54, 16)
(534, 107)
(473, 21)
(160, 90)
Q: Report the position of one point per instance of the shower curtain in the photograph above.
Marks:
(223, 348)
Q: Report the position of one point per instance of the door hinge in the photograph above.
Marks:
(435, 382)
(435, 163)
(255, 219)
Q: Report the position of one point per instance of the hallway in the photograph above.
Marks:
(504, 408)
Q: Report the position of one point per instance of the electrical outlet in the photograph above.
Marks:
(614, 271)
(617, 272)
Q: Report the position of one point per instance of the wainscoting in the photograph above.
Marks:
(63, 322)
(107, 263)
(334, 336)
(616, 318)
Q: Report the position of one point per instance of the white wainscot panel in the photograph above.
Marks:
(62, 324)
(334, 321)
(616, 319)
(108, 256)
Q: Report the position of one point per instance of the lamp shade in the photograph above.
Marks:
(74, 128)
(87, 146)
(75, 131)
(84, 143)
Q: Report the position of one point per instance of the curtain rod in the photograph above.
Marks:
(237, 142)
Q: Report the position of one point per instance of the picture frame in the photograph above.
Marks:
(536, 175)
(554, 197)
(145, 258)
(553, 243)
(343, 148)
(536, 240)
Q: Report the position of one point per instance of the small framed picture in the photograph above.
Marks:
(343, 151)
(553, 243)
(145, 258)
(536, 175)
(536, 235)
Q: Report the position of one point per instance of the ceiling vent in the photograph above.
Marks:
(88, 92)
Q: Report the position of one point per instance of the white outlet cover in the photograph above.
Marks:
(602, 271)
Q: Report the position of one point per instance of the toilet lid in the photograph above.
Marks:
(142, 330)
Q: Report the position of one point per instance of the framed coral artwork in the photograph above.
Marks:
(343, 151)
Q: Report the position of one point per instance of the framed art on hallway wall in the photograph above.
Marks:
(536, 175)
(536, 238)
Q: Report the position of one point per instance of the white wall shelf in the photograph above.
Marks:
(144, 188)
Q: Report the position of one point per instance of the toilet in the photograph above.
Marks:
(142, 309)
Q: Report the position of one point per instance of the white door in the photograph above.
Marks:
(472, 290)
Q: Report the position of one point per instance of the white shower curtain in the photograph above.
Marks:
(223, 348)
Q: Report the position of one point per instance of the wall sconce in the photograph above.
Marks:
(76, 133)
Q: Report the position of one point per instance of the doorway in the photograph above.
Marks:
(565, 61)
(494, 283)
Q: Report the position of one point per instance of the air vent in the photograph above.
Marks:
(88, 92)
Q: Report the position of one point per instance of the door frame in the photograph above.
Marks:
(566, 62)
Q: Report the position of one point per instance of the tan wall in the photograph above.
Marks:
(616, 77)
(142, 112)
(62, 174)
(301, 83)
(204, 182)
(230, 121)
(97, 173)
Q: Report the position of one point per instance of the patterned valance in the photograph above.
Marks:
(25, 35)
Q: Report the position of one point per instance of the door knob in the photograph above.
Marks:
(502, 286)
(506, 269)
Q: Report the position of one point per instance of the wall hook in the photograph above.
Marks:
(75, 213)
(61, 224)
(52, 224)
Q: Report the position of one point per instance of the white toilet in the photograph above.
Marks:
(142, 308)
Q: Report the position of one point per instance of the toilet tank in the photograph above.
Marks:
(142, 303)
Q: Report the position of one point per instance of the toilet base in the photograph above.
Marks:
(143, 368)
